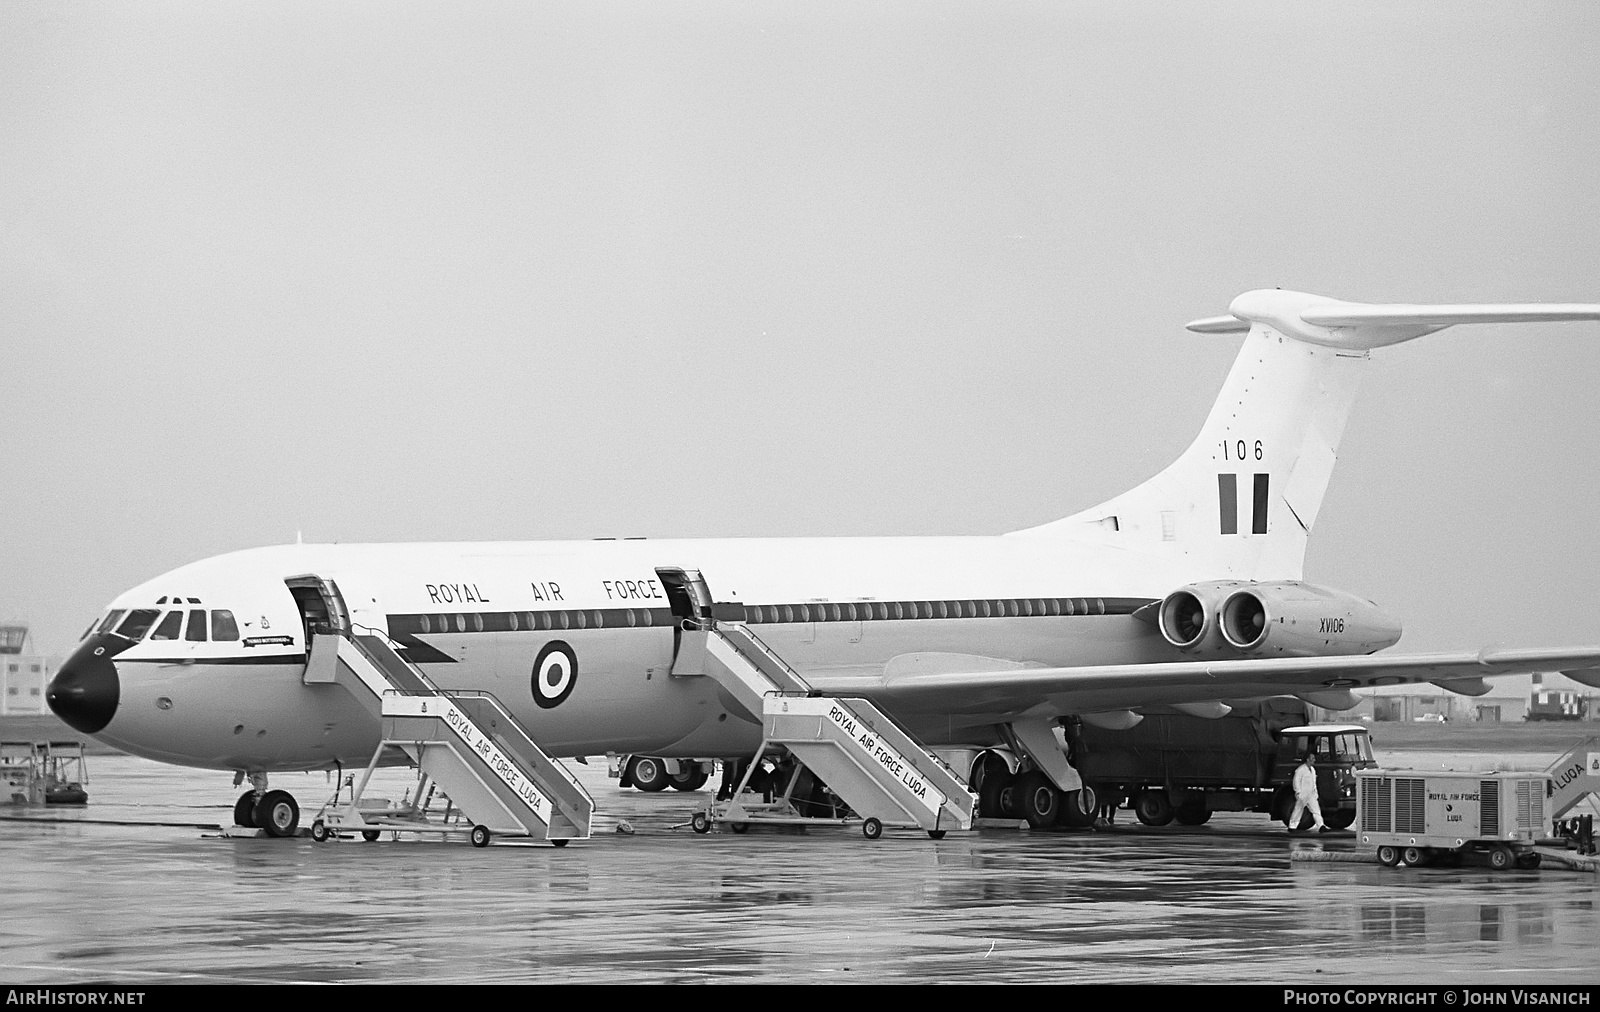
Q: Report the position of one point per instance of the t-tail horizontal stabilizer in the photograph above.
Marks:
(1360, 325)
(1241, 501)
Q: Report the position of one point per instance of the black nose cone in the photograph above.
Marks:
(85, 690)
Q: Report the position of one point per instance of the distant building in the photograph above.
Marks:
(1512, 698)
(22, 674)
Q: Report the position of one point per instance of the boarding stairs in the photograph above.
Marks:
(466, 746)
(864, 757)
(1575, 776)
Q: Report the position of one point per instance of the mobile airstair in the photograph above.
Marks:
(1574, 777)
(472, 756)
(874, 766)
(43, 773)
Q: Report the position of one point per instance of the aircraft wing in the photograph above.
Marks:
(1099, 688)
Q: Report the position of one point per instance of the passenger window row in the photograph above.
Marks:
(878, 611)
(852, 611)
(513, 621)
(222, 625)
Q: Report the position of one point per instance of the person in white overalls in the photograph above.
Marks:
(1305, 795)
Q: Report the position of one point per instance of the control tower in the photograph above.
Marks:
(22, 674)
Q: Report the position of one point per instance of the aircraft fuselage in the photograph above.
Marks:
(478, 616)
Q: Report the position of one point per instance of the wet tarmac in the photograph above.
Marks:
(130, 889)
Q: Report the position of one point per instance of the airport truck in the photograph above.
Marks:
(1423, 817)
(1173, 765)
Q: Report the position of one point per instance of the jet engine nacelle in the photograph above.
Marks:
(1226, 618)
(1188, 617)
(1290, 619)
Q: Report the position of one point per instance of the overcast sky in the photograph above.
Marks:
(398, 271)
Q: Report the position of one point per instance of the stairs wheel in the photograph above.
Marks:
(480, 836)
(739, 827)
(369, 835)
(936, 834)
(872, 829)
(560, 843)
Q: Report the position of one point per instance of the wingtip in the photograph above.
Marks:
(1218, 325)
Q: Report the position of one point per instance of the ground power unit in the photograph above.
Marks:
(1422, 817)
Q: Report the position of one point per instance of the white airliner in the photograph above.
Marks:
(1183, 591)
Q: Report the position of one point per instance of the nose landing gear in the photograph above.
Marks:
(276, 813)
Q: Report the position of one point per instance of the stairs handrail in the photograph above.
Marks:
(771, 655)
(501, 710)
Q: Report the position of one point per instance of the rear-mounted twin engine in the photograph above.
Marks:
(1282, 619)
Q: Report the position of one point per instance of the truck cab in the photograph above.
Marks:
(1340, 750)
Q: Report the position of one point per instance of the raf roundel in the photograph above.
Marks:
(555, 674)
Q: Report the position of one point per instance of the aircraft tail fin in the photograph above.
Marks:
(1242, 500)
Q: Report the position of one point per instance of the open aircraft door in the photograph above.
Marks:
(322, 607)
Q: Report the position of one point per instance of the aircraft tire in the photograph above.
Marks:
(1341, 819)
(244, 810)
(278, 814)
(691, 781)
(992, 800)
(1078, 807)
(985, 766)
(1039, 799)
(1153, 808)
(649, 774)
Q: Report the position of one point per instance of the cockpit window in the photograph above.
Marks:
(195, 632)
(89, 630)
(138, 623)
(168, 629)
(110, 622)
(223, 627)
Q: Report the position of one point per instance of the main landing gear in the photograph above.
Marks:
(1030, 795)
(274, 812)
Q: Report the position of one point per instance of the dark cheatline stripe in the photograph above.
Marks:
(904, 611)
(406, 629)
(1259, 510)
(1228, 501)
(247, 659)
(528, 621)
